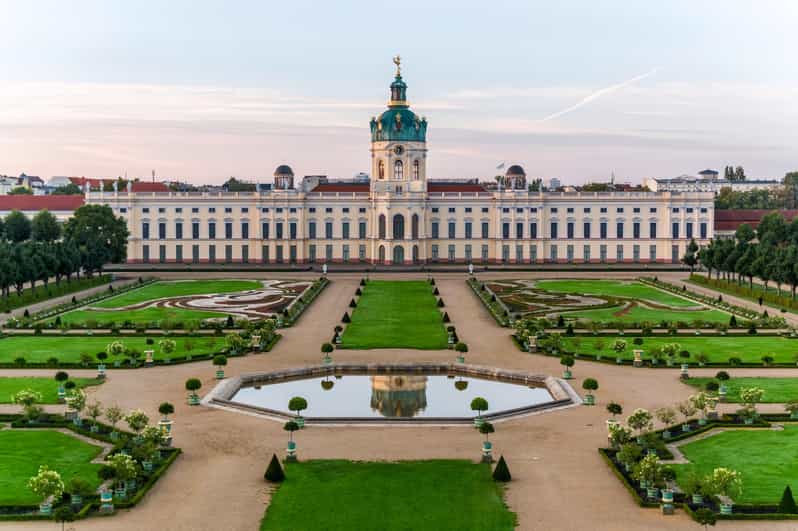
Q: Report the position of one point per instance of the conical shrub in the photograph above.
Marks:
(274, 472)
(787, 503)
(501, 472)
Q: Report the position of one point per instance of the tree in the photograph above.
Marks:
(726, 482)
(46, 483)
(486, 428)
(44, 227)
(705, 517)
(274, 472)
(787, 503)
(20, 190)
(114, 415)
(502, 472)
(137, 420)
(17, 227)
(290, 427)
(167, 346)
(166, 409)
(67, 189)
(690, 259)
(297, 404)
(479, 405)
(64, 514)
(640, 420)
(99, 234)
(614, 409)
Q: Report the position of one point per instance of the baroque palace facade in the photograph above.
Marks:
(399, 216)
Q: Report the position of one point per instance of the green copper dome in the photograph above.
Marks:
(398, 123)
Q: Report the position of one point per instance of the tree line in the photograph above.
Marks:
(40, 249)
(785, 196)
(769, 253)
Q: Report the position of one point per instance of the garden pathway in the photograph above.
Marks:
(559, 480)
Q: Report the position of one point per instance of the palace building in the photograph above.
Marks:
(399, 215)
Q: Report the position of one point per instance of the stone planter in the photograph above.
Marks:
(638, 358)
(666, 434)
(478, 421)
(220, 374)
(165, 425)
(685, 427)
(147, 465)
(106, 502)
(101, 371)
(45, 508)
(76, 499)
(193, 399)
(327, 359)
(589, 400)
(652, 492)
(726, 508)
(794, 415)
(487, 452)
(619, 360)
(290, 451)
(300, 421)
(61, 394)
(566, 374)
(702, 422)
(722, 391)
(748, 421)
(120, 493)
(698, 499)
(94, 427)
(130, 485)
(685, 372)
(460, 359)
(667, 501)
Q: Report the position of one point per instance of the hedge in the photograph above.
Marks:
(42, 293)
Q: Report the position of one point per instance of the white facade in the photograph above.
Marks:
(687, 183)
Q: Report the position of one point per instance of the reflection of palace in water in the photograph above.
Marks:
(398, 395)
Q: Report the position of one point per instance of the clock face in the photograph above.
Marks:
(398, 150)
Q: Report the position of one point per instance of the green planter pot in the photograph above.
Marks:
(120, 493)
(300, 421)
(61, 394)
(76, 499)
(726, 508)
(685, 427)
(45, 508)
(667, 496)
(147, 466)
(589, 400)
(101, 371)
(566, 374)
(290, 451)
(220, 374)
(193, 400)
(460, 359)
(114, 435)
(652, 492)
(478, 422)
(666, 434)
(698, 499)
(702, 422)
(487, 452)
(748, 422)
(794, 415)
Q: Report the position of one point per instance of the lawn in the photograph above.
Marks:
(718, 349)
(396, 314)
(766, 459)
(639, 314)
(777, 390)
(616, 288)
(22, 451)
(68, 349)
(47, 387)
(417, 495)
(109, 310)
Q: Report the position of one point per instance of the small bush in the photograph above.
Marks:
(274, 472)
(569, 330)
(345, 318)
(446, 317)
(787, 503)
(352, 304)
(733, 321)
(362, 282)
(150, 341)
(440, 303)
(230, 322)
(502, 472)
(723, 375)
(560, 321)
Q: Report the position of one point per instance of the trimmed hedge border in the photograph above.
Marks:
(65, 288)
(755, 511)
(294, 314)
(744, 292)
(476, 287)
(92, 502)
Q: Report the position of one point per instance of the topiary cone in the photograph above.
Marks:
(787, 503)
(274, 472)
(501, 472)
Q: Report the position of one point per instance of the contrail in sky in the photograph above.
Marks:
(595, 95)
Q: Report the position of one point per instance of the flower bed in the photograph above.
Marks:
(497, 309)
(52, 290)
(295, 310)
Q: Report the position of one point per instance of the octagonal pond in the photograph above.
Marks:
(393, 393)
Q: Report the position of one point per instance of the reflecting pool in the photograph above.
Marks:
(392, 395)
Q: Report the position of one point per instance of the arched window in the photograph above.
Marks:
(382, 254)
(414, 226)
(416, 170)
(398, 227)
(382, 226)
(398, 170)
(381, 170)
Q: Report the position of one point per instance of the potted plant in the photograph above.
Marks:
(614, 409)
(590, 385)
(792, 408)
(639, 421)
(107, 474)
(101, 357)
(298, 404)
(235, 344)
(326, 349)
(76, 400)
(694, 486)
(168, 346)
(685, 368)
(479, 405)
(29, 399)
(125, 471)
(750, 397)
(93, 411)
(666, 415)
(687, 409)
(701, 402)
(619, 346)
(219, 361)
(618, 435)
(192, 386)
(137, 420)
(648, 472)
(567, 361)
(726, 484)
(461, 349)
(165, 424)
(486, 428)
(291, 427)
(47, 485)
(61, 377)
(628, 455)
(722, 377)
(115, 349)
(113, 414)
(668, 476)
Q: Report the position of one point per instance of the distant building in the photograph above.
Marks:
(728, 221)
(61, 206)
(707, 181)
(554, 183)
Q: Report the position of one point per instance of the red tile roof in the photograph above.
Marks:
(454, 187)
(341, 187)
(40, 202)
(729, 220)
(149, 187)
(93, 183)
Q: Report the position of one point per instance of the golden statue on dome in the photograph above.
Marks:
(398, 62)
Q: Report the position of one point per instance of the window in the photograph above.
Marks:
(211, 210)
(145, 231)
(586, 230)
(195, 254)
(586, 210)
(161, 231)
(328, 210)
(636, 230)
(505, 253)
(161, 210)
(312, 230)
(652, 253)
(361, 230)
(619, 230)
(345, 252)
(505, 210)
(312, 210)
(468, 210)
(228, 210)
(361, 210)
(145, 210)
(265, 253)
(603, 210)
(292, 230)
(179, 230)
(569, 253)
(675, 210)
(195, 230)
(569, 210)
(278, 228)
(468, 230)
(675, 254)
(123, 210)
(345, 230)
(228, 230)
(244, 210)
(451, 253)
(531, 209)
(398, 170)
(619, 210)
(519, 253)
(619, 253)
(602, 253)
(636, 210)
(484, 253)
(381, 170)
(145, 253)
(212, 254)
(416, 170)
(292, 210)
(279, 258)
(468, 256)
(434, 251)
(162, 253)
(652, 230)
(345, 210)
(228, 254)
(688, 230)
(245, 254)
(212, 230)
(635, 253)
(519, 230)
(382, 226)
(451, 210)
(245, 230)
(519, 210)
(361, 252)
(266, 210)
(653, 210)
(264, 227)
(434, 229)
(586, 253)
(484, 210)
(505, 230)
(603, 230)
(675, 230)
(569, 228)
(702, 228)
(553, 253)
(434, 210)
(485, 229)
(553, 210)
(328, 230)
(533, 230)
(311, 253)
(703, 210)
(451, 229)
(553, 232)
(533, 253)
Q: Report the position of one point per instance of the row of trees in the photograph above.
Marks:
(41, 249)
(782, 197)
(770, 253)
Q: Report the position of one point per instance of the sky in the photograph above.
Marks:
(203, 90)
